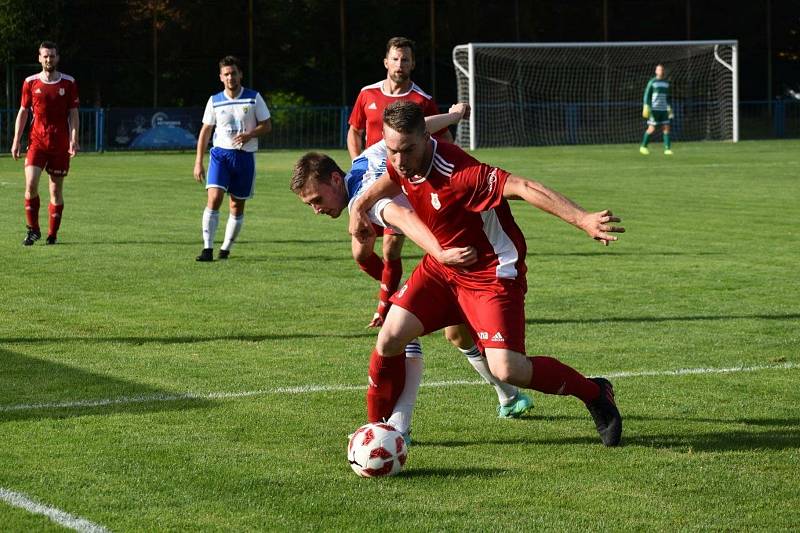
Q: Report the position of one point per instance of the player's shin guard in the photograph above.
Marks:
(32, 212)
(210, 223)
(55, 218)
(551, 376)
(387, 376)
(403, 409)
(232, 229)
(373, 266)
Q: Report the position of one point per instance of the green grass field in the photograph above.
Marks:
(142, 391)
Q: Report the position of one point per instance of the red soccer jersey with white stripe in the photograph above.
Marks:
(368, 110)
(50, 103)
(461, 201)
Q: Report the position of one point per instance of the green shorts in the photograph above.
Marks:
(658, 118)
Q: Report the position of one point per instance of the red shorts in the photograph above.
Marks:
(493, 311)
(380, 230)
(54, 163)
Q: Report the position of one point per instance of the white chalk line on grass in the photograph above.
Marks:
(17, 499)
(307, 389)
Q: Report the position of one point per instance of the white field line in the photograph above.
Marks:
(58, 516)
(308, 389)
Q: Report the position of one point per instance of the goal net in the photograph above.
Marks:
(525, 94)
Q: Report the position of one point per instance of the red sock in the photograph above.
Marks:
(372, 266)
(32, 212)
(55, 218)
(551, 376)
(387, 377)
(390, 280)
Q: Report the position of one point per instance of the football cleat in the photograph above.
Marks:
(33, 236)
(644, 150)
(206, 255)
(51, 239)
(224, 254)
(605, 413)
(520, 404)
(667, 152)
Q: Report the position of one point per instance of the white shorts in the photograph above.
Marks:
(375, 213)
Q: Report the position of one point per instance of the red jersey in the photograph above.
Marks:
(368, 110)
(461, 201)
(51, 103)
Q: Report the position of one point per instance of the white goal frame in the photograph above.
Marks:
(469, 134)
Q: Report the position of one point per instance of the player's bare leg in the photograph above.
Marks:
(56, 207)
(233, 227)
(551, 376)
(210, 222)
(512, 402)
(32, 202)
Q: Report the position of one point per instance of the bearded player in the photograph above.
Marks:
(52, 97)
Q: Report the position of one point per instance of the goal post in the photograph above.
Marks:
(524, 94)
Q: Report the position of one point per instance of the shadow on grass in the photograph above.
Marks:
(37, 385)
(696, 318)
(189, 339)
(453, 472)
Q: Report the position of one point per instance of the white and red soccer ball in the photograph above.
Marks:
(377, 450)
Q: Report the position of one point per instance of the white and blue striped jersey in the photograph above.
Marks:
(365, 170)
(233, 116)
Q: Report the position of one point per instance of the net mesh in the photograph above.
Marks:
(591, 95)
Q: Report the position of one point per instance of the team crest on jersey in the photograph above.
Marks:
(492, 179)
(244, 109)
(435, 201)
(61, 91)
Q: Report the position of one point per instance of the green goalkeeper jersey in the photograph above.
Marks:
(656, 94)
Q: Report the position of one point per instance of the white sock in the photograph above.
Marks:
(232, 229)
(210, 223)
(401, 417)
(505, 392)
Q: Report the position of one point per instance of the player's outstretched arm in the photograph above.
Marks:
(455, 114)
(597, 225)
(19, 125)
(202, 143)
(360, 224)
(412, 227)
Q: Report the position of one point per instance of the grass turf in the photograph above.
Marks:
(705, 277)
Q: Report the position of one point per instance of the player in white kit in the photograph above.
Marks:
(237, 116)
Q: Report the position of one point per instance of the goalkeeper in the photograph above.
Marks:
(657, 110)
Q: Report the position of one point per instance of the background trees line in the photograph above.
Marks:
(135, 53)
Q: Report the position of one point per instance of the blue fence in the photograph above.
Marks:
(324, 126)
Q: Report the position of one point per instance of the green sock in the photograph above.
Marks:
(667, 142)
(645, 139)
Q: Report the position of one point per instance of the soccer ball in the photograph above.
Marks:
(376, 450)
